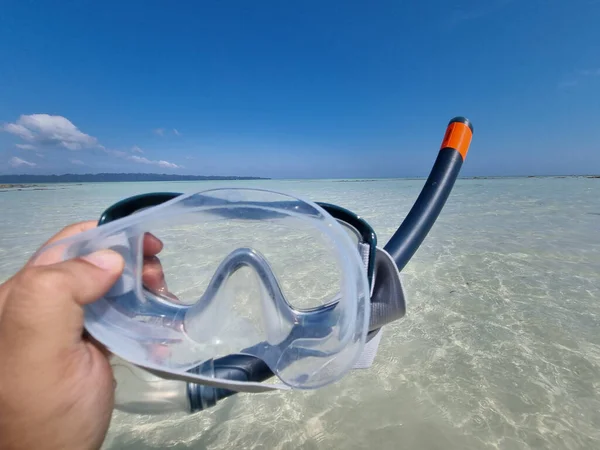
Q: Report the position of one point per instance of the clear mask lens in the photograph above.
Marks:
(233, 271)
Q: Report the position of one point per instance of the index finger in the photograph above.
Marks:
(152, 245)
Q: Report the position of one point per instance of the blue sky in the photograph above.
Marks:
(298, 89)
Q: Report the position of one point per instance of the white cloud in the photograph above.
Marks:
(19, 130)
(47, 130)
(165, 164)
(163, 131)
(18, 162)
(25, 146)
(168, 164)
(142, 159)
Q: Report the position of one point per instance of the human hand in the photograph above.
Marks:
(56, 385)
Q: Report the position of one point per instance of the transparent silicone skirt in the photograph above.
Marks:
(231, 271)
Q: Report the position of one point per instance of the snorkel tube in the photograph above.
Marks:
(140, 391)
(415, 227)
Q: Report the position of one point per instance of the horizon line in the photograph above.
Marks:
(258, 178)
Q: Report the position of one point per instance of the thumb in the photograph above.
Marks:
(44, 304)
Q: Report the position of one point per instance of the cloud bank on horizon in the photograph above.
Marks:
(49, 133)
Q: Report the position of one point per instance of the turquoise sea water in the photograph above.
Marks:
(500, 348)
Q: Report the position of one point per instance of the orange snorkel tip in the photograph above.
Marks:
(459, 134)
(415, 227)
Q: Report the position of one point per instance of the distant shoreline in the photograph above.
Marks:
(39, 182)
(7, 181)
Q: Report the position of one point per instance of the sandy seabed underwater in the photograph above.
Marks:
(500, 347)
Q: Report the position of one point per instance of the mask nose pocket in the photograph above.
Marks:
(243, 303)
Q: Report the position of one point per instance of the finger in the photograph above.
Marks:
(54, 255)
(153, 277)
(152, 245)
(51, 256)
(43, 307)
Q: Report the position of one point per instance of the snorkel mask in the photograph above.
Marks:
(266, 285)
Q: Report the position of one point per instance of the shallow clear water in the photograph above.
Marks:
(500, 347)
